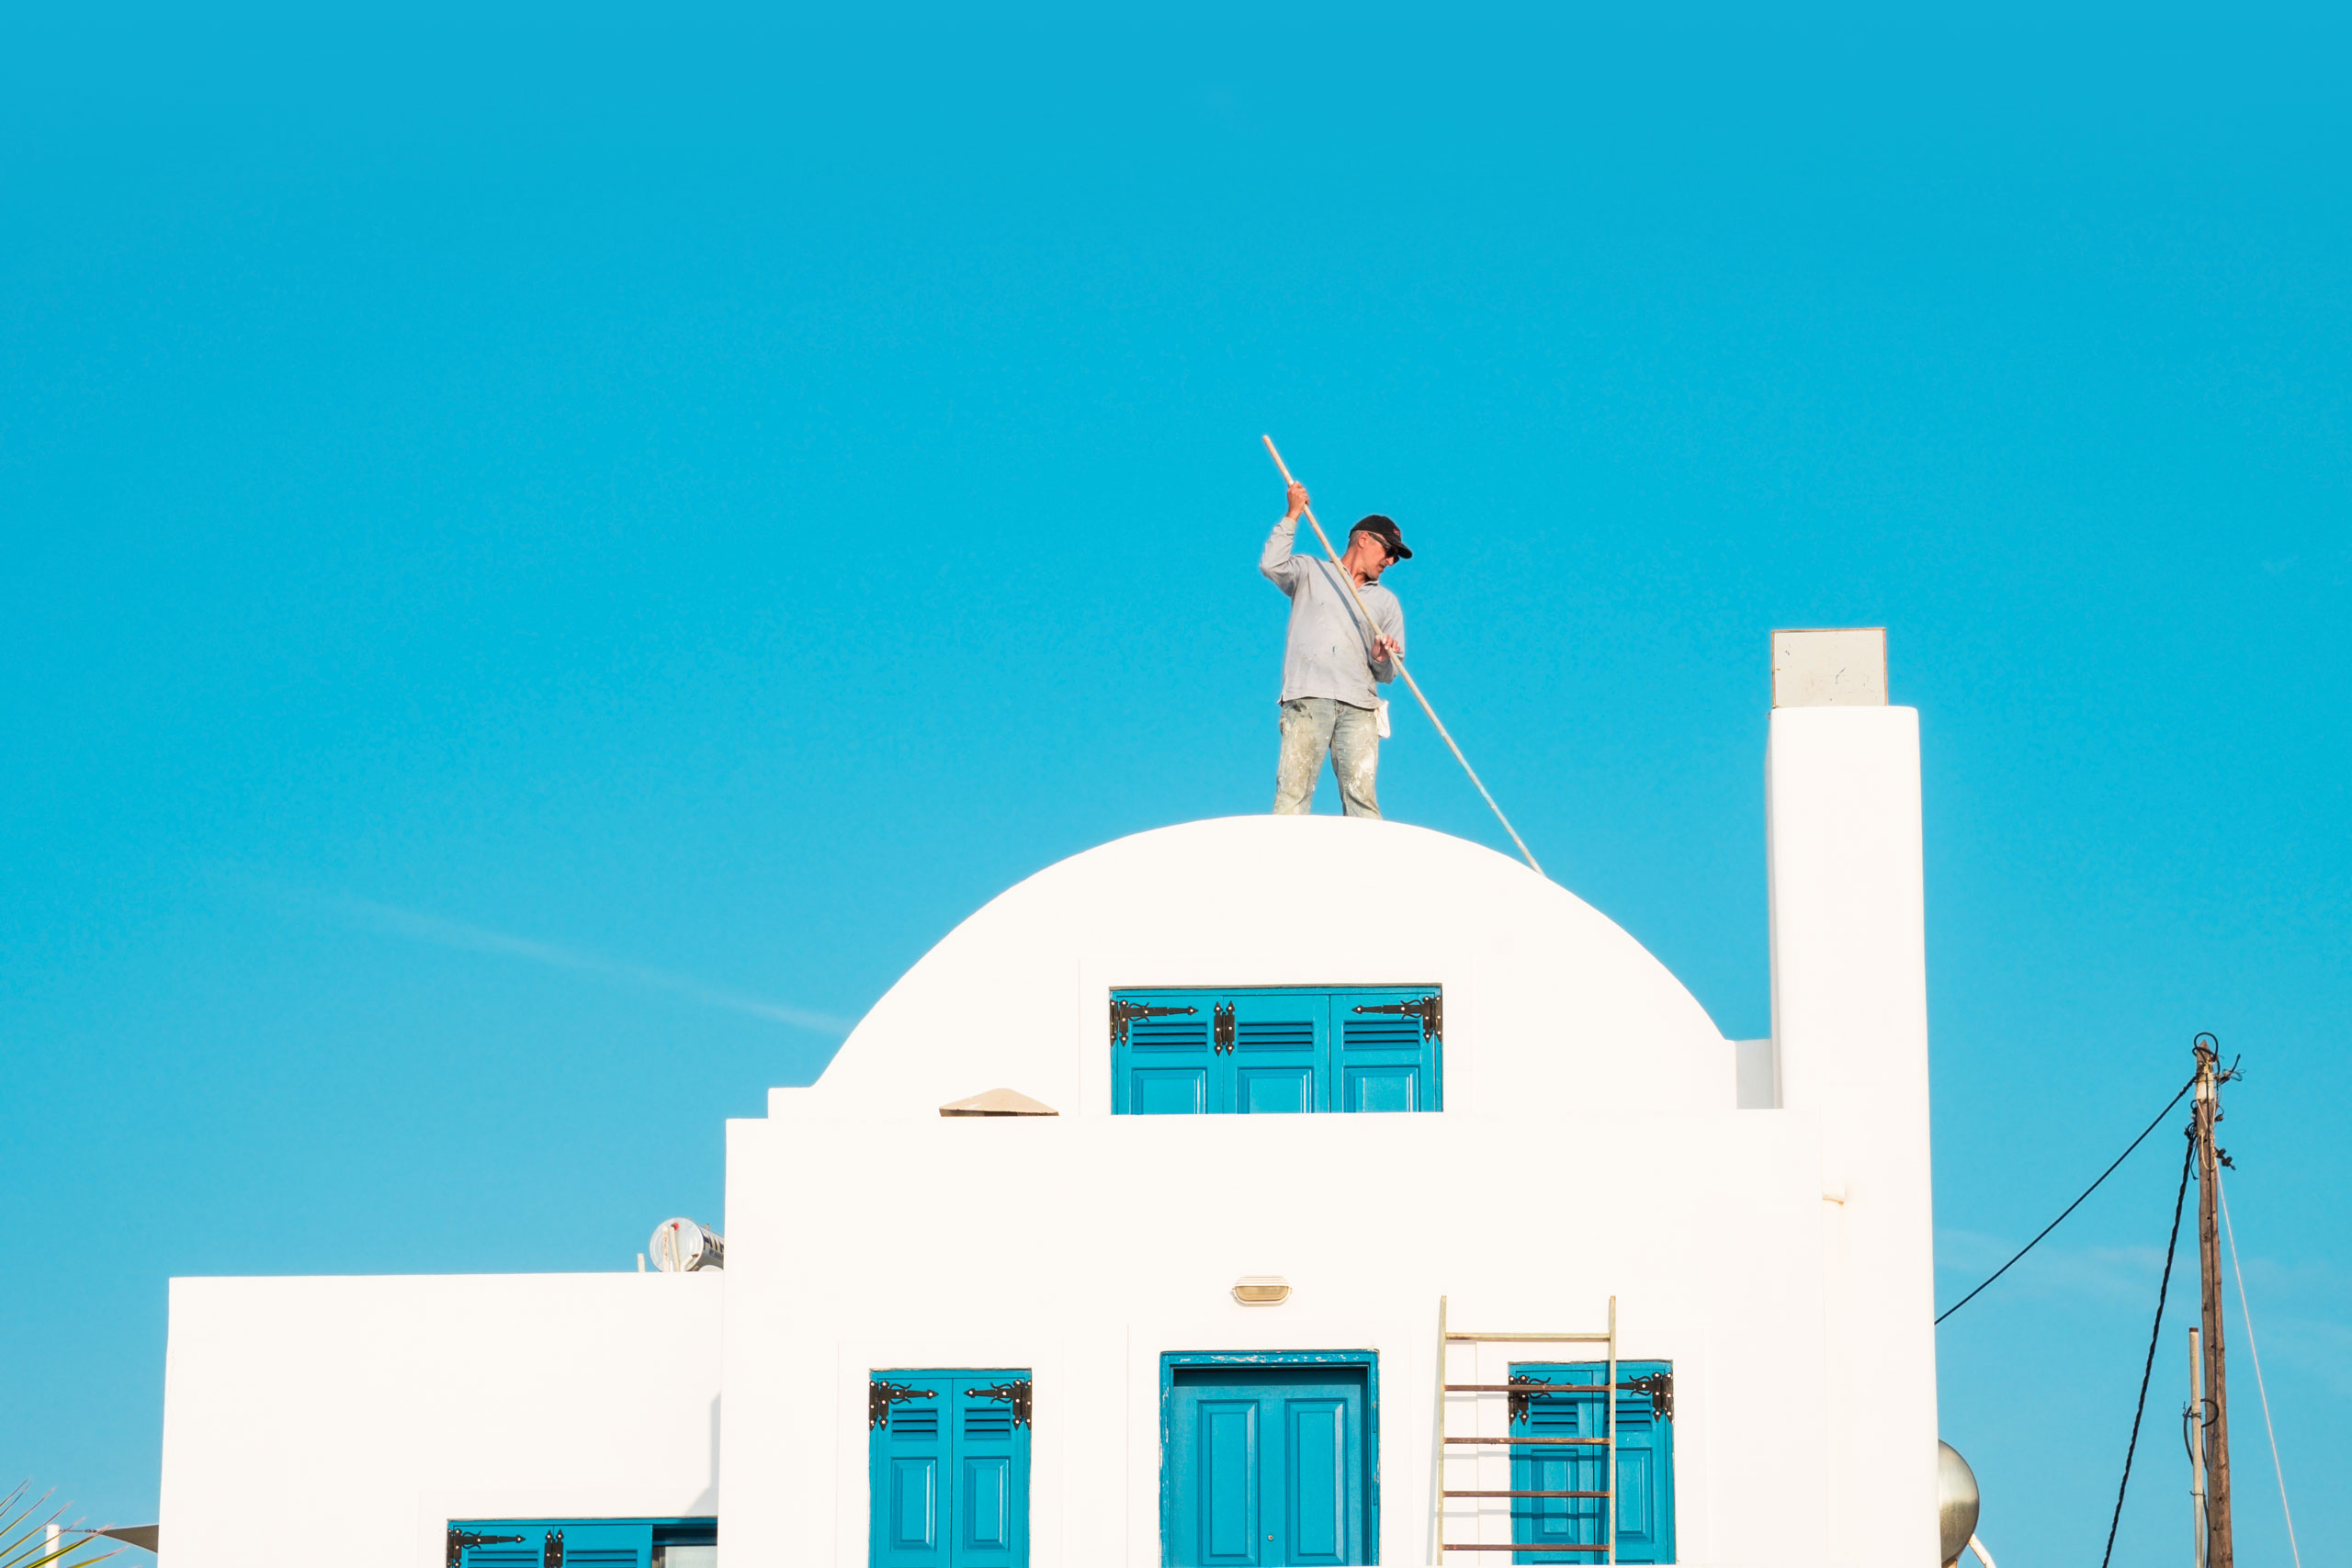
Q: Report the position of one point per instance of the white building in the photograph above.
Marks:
(978, 1341)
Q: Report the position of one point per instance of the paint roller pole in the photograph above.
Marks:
(1398, 657)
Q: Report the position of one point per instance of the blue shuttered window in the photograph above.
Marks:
(1645, 1464)
(581, 1543)
(1276, 1050)
(948, 1464)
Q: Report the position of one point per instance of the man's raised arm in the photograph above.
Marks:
(1280, 567)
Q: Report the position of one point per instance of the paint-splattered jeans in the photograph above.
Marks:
(1313, 727)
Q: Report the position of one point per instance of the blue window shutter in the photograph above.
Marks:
(587, 1543)
(950, 1473)
(1389, 1060)
(1281, 1055)
(1169, 1065)
(909, 1466)
(1276, 1049)
(1644, 1473)
(991, 1501)
(1645, 1467)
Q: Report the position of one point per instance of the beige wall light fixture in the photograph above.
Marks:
(1261, 1289)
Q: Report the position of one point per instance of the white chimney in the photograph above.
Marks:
(1849, 1028)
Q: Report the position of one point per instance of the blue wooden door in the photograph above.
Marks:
(1267, 1465)
(1645, 1465)
(948, 1464)
(586, 1543)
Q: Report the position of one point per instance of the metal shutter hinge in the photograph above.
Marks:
(1013, 1393)
(881, 1395)
(459, 1540)
(1430, 1010)
(1124, 1012)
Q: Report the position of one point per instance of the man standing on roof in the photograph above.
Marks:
(1329, 704)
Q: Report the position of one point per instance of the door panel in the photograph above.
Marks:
(1230, 1482)
(914, 1510)
(1316, 1488)
(1273, 1092)
(1383, 1088)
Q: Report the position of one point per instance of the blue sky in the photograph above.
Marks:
(552, 555)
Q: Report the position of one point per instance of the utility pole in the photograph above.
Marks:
(2216, 1432)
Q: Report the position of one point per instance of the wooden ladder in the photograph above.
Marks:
(1447, 1338)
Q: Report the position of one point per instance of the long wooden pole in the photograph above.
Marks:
(2197, 1452)
(1610, 1406)
(1372, 629)
(2218, 1546)
(1437, 1493)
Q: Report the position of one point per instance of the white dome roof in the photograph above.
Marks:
(1547, 1002)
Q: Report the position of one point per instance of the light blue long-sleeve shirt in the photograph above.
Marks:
(1329, 652)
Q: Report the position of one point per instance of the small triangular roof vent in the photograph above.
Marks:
(997, 1102)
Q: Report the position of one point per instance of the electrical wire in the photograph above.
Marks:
(2246, 1315)
(2070, 1208)
(2164, 1289)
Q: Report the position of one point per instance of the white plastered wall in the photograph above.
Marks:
(1083, 1249)
(348, 1419)
(1589, 1145)
(1849, 1006)
(1016, 996)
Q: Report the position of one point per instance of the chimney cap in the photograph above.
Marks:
(1843, 667)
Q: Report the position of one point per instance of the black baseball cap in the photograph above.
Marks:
(1384, 529)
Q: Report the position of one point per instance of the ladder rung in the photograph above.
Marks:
(1534, 1339)
(1525, 1494)
(1596, 1442)
(1516, 1546)
(1538, 1388)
